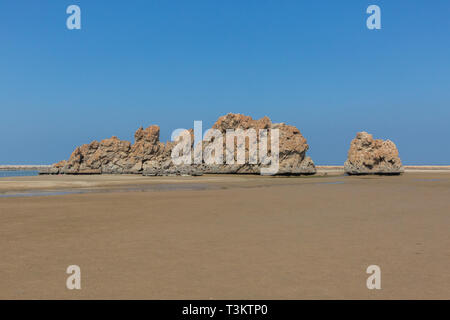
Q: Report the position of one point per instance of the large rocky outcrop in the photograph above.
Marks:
(292, 146)
(149, 156)
(369, 156)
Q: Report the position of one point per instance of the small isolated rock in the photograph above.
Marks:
(370, 156)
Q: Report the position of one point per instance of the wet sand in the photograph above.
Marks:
(234, 237)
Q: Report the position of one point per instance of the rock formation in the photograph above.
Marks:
(370, 156)
(149, 156)
(292, 147)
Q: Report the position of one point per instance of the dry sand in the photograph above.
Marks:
(226, 237)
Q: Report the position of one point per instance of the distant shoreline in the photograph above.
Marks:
(412, 168)
(319, 167)
(23, 167)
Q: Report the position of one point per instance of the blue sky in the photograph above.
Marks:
(312, 64)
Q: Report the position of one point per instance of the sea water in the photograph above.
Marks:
(18, 173)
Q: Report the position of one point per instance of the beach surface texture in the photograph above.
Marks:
(222, 237)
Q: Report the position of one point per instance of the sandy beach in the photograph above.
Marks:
(223, 237)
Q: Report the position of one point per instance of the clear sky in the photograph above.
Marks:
(312, 64)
